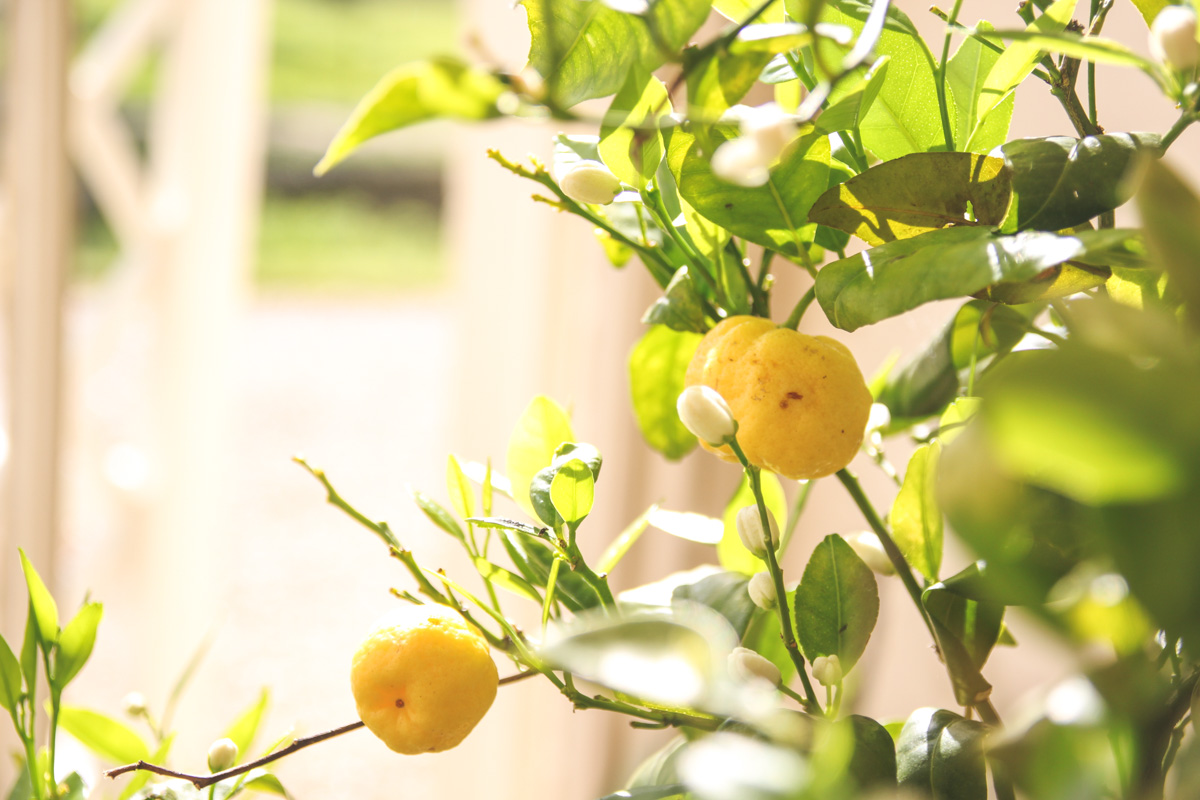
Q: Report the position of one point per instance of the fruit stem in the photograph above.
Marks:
(793, 320)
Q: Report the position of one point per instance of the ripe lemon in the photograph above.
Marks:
(423, 679)
(800, 401)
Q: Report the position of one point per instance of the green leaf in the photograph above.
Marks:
(930, 379)
(679, 308)
(723, 80)
(966, 630)
(1149, 9)
(774, 215)
(573, 491)
(916, 194)
(259, 780)
(905, 117)
(1095, 426)
(1077, 45)
(966, 72)
(941, 754)
(657, 367)
(542, 427)
(837, 603)
(75, 644)
(954, 262)
(1059, 182)
(1017, 61)
(738, 10)
(724, 593)
(619, 546)
(630, 143)
(585, 49)
(765, 637)
(244, 728)
(425, 90)
(731, 553)
(688, 525)
(916, 518)
(41, 604)
(104, 736)
(75, 788)
(10, 677)
(459, 487)
(510, 582)
(848, 106)
(873, 763)
(437, 514)
(1170, 213)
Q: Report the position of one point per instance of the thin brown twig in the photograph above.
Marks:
(204, 781)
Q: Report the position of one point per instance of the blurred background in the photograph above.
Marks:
(185, 308)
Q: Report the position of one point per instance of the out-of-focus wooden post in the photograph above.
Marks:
(36, 239)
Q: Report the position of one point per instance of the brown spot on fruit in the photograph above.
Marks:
(399, 703)
(790, 396)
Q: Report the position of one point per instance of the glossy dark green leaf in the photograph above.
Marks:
(837, 603)
(916, 517)
(1170, 212)
(929, 380)
(630, 144)
(955, 262)
(904, 118)
(425, 90)
(724, 593)
(873, 764)
(679, 308)
(585, 49)
(940, 754)
(245, 727)
(966, 630)
(75, 644)
(42, 607)
(657, 367)
(774, 215)
(1059, 182)
(966, 73)
(111, 740)
(537, 560)
(11, 684)
(918, 193)
(438, 515)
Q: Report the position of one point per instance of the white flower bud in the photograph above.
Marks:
(1173, 37)
(879, 418)
(590, 182)
(134, 704)
(827, 670)
(750, 531)
(222, 754)
(705, 413)
(868, 547)
(769, 128)
(762, 591)
(747, 665)
(741, 162)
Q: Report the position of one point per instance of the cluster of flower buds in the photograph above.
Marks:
(750, 531)
(747, 665)
(1173, 37)
(590, 182)
(747, 159)
(827, 670)
(705, 413)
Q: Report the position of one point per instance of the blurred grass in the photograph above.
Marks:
(326, 52)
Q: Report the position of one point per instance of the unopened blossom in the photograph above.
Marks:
(705, 413)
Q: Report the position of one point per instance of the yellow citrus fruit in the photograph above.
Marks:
(423, 679)
(800, 401)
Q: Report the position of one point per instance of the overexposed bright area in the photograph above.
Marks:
(186, 308)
